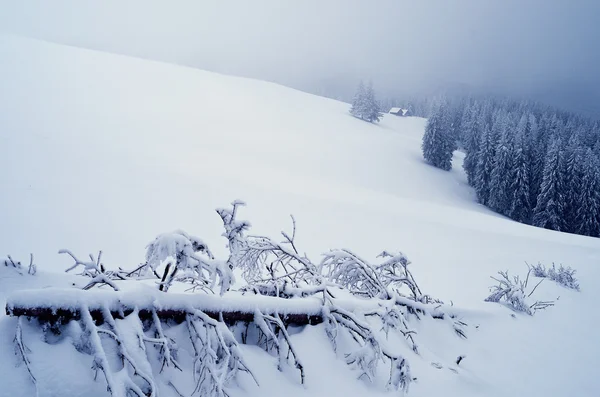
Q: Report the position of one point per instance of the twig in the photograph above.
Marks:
(22, 349)
(533, 290)
(32, 268)
(175, 389)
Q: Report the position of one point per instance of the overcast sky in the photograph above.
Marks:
(544, 49)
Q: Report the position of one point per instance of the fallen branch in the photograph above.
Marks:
(23, 350)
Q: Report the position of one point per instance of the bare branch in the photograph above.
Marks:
(32, 267)
(22, 350)
(534, 288)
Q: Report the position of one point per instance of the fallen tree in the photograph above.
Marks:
(353, 299)
(63, 305)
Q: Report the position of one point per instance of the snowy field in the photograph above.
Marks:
(101, 151)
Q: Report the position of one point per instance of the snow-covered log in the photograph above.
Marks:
(112, 324)
(356, 300)
(62, 305)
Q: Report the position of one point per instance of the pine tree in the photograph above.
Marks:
(455, 115)
(438, 142)
(544, 136)
(500, 186)
(549, 210)
(531, 139)
(373, 110)
(573, 174)
(592, 133)
(520, 204)
(588, 213)
(597, 147)
(359, 105)
(485, 163)
(471, 131)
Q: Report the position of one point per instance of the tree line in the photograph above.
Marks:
(534, 164)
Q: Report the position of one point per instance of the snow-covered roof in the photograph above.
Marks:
(398, 110)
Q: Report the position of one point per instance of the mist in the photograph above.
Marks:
(534, 49)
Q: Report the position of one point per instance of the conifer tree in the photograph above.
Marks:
(587, 219)
(549, 210)
(438, 142)
(592, 133)
(373, 109)
(520, 204)
(485, 164)
(540, 149)
(500, 184)
(531, 138)
(471, 130)
(573, 174)
(597, 147)
(359, 106)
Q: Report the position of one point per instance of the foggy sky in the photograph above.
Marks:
(544, 50)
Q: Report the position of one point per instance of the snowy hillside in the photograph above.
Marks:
(105, 152)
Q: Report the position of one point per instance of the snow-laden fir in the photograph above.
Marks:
(105, 152)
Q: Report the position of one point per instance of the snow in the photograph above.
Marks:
(106, 152)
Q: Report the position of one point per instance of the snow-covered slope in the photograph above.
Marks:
(102, 151)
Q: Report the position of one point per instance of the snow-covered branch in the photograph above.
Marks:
(383, 280)
(217, 356)
(17, 266)
(268, 265)
(271, 327)
(512, 292)
(21, 350)
(189, 257)
(91, 268)
(349, 271)
(369, 352)
(564, 276)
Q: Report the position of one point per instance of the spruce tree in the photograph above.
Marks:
(438, 142)
(455, 115)
(372, 111)
(587, 219)
(549, 210)
(573, 174)
(359, 105)
(485, 164)
(544, 136)
(471, 131)
(531, 139)
(500, 193)
(592, 135)
(597, 147)
(520, 204)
